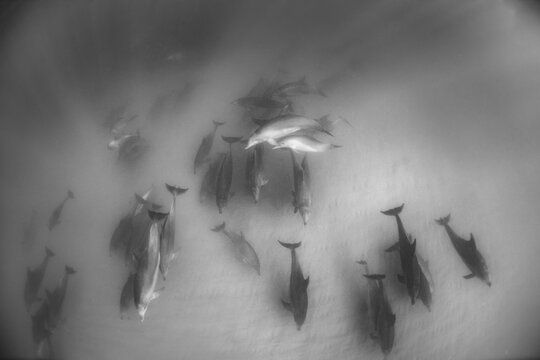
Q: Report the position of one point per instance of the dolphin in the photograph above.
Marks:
(407, 254)
(303, 143)
(208, 184)
(55, 216)
(57, 296)
(34, 278)
(297, 288)
(301, 184)
(271, 130)
(296, 88)
(242, 248)
(224, 178)
(381, 314)
(204, 149)
(147, 264)
(126, 297)
(166, 244)
(254, 171)
(468, 252)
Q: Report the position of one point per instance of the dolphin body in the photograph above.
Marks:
(204, 149)
(57, 296)
(147, 267)
(303, 143)
(55, 216)
(34, 278)
(301, 185)
(381, 314)
(243, 250)
(208, 184)
(468, 252)
(407, 254)
(254, 171)
(271, 130)
(166, 244)
(224, 178)
(297, 288)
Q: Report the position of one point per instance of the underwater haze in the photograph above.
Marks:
(434, 105)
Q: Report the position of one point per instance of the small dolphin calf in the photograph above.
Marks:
(407, 254)
(126, 297)
(34, 279)
(57, 296)
(381, 314)
(297, 288)
(166, 247)
(55, 216)
(281, 126)
(301, 184)
(204, 149)
(243, 250)
(254, 171)
(468, 252)
(224, 178)
(303, 143)
(147, 264)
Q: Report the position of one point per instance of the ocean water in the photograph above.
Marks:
(442, 101)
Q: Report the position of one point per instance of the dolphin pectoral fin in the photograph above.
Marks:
(470, 276)
(394, 247)
(287, 305)
(401, 278)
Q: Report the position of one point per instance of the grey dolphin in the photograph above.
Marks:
(147, 265)
(468, 252)
(55, 216)
(297, 288)
(126, 297)
(382, 316)
(243, 250)
(224, 178)
(57, 296)
(254, 171)
(302, 188)
(208, 184)
(34, 279)
(407, 254)
(204, 149)
(166, 244)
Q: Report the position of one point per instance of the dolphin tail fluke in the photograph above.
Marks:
(375, 276)
(175, 190)
(70, 270)
(157, 216)
(444, 220)
(49, 252)
(290, 246)
(393, 212)
(219, 227)
(231, 139)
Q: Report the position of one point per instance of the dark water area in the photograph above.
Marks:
(441, 110)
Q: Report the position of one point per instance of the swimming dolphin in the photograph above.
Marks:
(296, 88)
(57, 296)
(382, 316)
(468, 252)
(224, 178)
(297, 288)
(55, 216)
(204, 149)
(126, 297)
(254, 171)
(407, 254)
(208, 184)
(271, 130)
(303, 143)
(301, 185)
(34, 279)
(166, 244)
(147, 263)
(243, 250)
